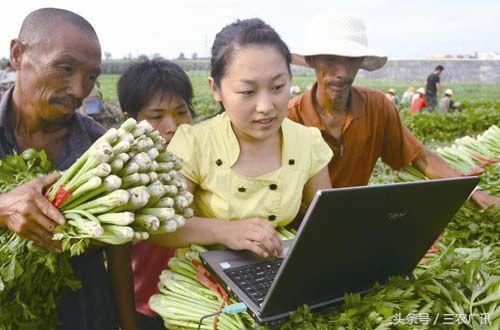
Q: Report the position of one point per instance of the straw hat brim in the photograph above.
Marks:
(372, 60)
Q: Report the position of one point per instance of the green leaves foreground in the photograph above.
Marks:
(32, 279)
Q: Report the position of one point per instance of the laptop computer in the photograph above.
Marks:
(349, 239)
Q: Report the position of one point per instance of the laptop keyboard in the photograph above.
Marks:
(255, 279)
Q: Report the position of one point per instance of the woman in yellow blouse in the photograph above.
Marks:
(249, 168)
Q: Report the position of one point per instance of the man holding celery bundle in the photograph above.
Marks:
(57, 56)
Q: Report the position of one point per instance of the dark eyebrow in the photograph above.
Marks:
(279, 75)
(179, 106)
(72, 59)
(66, 58)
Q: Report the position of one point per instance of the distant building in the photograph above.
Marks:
(475, 56)
(488, 56)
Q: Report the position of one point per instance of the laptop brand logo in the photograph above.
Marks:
(225, 265)
(396, 216)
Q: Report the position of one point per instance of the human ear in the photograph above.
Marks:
(215, 90)
(16, 53)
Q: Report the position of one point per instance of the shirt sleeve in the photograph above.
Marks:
(400, 146)
(321, 154)
(185, 146)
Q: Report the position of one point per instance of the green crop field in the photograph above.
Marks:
(205, 105)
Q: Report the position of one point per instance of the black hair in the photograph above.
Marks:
(242, 33)
(439, 68)
(143, 81)
(42, 23)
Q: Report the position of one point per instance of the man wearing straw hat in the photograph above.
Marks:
(359, 124)
(391, 96)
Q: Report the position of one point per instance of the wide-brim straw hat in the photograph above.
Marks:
(340, 35)
(448, 92)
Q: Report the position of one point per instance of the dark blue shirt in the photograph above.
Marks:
(91, 307)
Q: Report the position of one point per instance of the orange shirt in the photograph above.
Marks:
(372, 129)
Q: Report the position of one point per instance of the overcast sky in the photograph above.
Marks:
(400, 29)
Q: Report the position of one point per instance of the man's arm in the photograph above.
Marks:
(435, 167)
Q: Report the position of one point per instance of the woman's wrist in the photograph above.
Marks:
(217, 232)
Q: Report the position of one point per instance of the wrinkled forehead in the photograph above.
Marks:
(66, 38)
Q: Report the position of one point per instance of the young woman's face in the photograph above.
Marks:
(166, 114)
(255, 91)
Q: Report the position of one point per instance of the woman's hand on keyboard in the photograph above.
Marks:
(253, 234)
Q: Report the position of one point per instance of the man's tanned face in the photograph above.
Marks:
(335, 74)
(58, 72)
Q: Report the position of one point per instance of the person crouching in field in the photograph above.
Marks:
(419, 104)
(160, 92)
(447, 104)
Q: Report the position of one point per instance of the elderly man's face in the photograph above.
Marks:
(335, 74)
(57, 74)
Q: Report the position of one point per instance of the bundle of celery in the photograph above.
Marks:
(32, 279)
(469, 155)
(123, 188)
(479, 156)
(183, 300)
(187, 293)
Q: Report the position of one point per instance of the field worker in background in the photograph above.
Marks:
(9, 74)
(432, 87)
(7, 77)
(446, 103)
(391, 96)
(359, 124)
(416, 95)
(419, 103)
(57, 57)
(408, 96)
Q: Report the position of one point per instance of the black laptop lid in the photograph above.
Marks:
(353, 237)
